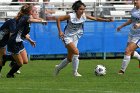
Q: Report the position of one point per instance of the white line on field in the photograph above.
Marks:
(70, 90)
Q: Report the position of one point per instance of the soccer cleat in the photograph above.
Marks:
(76, 74)
(18, 72)
(121, 72)
(10, 76)
(56, 70)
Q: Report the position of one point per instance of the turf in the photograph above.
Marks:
(37, 77)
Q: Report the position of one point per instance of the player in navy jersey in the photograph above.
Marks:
(73, 31)
(8, 27)
(15, 43)
(133, 37)
(34, 15)
(5, 30)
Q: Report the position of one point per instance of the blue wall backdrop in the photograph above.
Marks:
(99, 37)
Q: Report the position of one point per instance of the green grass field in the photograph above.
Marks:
(37, 77)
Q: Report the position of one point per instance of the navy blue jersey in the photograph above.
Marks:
(8, 27)
(22, 25)
(5, 30)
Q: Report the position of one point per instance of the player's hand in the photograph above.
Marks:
(109, 20)
(119, 28)
(44, 22)
(33, 43)
(61, 35)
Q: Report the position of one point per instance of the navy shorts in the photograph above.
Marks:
(4, 41)
(15, 47)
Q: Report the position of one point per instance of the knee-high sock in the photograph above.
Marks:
(125, 62)
(7, 58)
(75, 63)
(12, 63)
(136, 55)
(14, 69)
(63, 64)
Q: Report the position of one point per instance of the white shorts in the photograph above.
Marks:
(135, 40)
(69, 39)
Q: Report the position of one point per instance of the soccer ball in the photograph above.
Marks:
(100, 70)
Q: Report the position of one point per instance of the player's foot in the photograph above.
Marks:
(76, 74)
(10, 76)
(56, 70)
(121, 72)
(18, 72)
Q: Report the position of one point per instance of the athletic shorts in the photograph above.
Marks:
(15, 47)
(69, 39)
(135, 40)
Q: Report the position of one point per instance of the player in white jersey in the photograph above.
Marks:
(133, 37)
(73, 31)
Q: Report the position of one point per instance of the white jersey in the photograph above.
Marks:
(75, 25)
(135, 17)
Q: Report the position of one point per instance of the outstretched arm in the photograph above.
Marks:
(125, 24)
(98, 19)
(38, 19)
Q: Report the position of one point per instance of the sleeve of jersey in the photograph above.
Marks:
(12, 27)
(26, 19)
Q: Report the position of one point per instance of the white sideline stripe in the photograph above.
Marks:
(71, 90)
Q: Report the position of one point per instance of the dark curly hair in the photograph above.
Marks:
(77, 4)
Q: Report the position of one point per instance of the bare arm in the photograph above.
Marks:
(98, 19)
(32, 19)
(59, 19)
(33, 43)
(125, 24)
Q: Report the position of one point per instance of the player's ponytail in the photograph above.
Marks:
(25, 10)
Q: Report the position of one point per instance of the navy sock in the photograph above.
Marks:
(7, 58)
(14, 69)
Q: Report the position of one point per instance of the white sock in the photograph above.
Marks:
(75, 63)
(125, 62)
(136, 55)
(63, 64)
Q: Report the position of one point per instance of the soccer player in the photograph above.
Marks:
(5, 29)
(34, 15)
(8, 27)
(133, 37)
(73, 31)
(15, 43)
